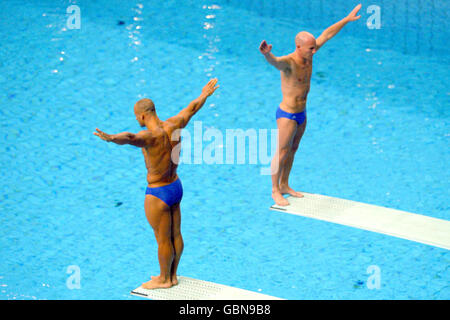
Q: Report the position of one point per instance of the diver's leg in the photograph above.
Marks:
(286, 132)
(177, 241)
(159, 216)
(284, 176)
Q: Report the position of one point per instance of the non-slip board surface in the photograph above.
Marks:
(401, 224)
(193, 289)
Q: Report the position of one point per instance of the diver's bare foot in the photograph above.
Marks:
(292, 192)
(174, 280)
(279, 199)
(157, 282)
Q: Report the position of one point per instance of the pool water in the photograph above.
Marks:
(378, 132)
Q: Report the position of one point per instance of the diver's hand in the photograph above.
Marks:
(264, 47)
(103, 135)
(352, 15)
(210, 87)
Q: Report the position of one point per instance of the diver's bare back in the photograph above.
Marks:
(161, 168)
(295, 84)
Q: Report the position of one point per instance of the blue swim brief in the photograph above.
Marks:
(170, 194)
(299, 117)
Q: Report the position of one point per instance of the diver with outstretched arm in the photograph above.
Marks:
(295, 70)
(164, 190)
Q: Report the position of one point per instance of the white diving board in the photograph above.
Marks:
(401, 224)
(193, 289)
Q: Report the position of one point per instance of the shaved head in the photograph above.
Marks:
(304, 37)
(305, 44)
(144, 106)
(144, 109)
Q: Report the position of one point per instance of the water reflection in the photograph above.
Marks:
(212, 38)
(135, 36)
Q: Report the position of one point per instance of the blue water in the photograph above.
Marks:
(378, 132)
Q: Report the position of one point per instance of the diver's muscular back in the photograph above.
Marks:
(160, 158)
(295, 84)
(161, 168)
(160, 138)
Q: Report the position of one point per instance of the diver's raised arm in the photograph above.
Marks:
(280, 63)
(330, 32)
(182, 118)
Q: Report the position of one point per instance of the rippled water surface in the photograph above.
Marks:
(378, 132)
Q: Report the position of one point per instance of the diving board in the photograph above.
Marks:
(193, 289)
(401, 224)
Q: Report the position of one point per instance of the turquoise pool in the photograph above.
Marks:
(378, 132)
